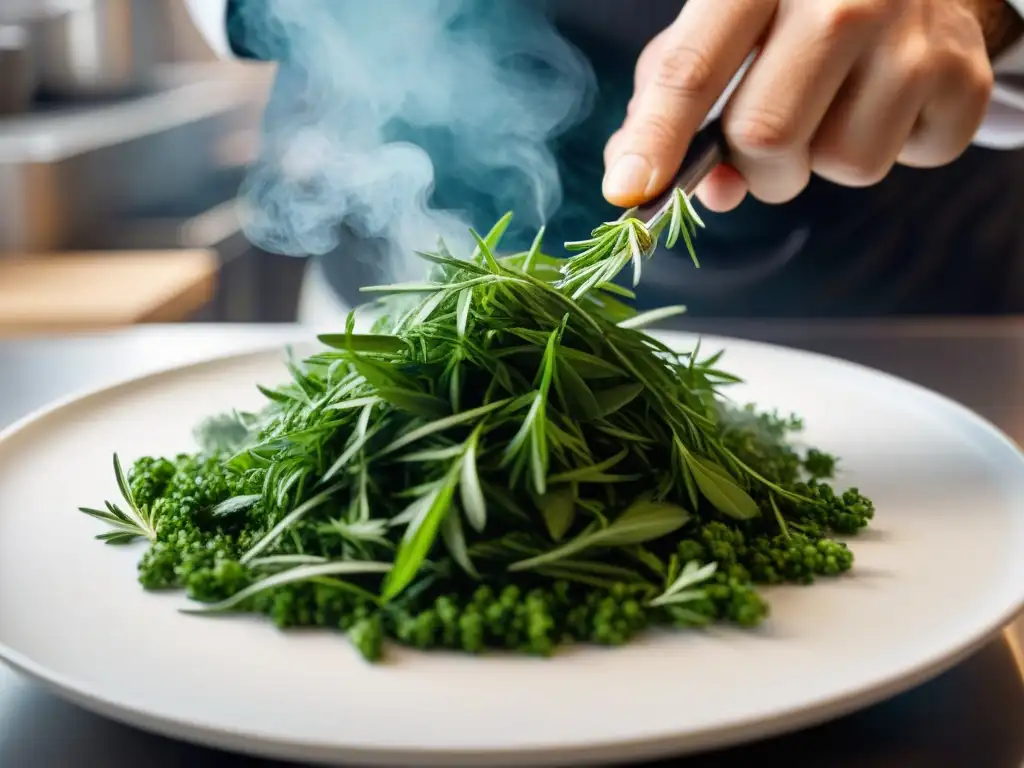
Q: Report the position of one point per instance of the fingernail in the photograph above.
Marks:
(629, 176)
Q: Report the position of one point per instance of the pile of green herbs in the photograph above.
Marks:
(508, 460)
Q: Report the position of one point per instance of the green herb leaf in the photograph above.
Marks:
(292, 576)
(491, 242)
(420, 536)
(455, 542)
(613, 400)
(370, 343)
(275, 561)
(235, 505)
(558, 506)
(122, 484)
(591, 473)
(473, 502)
(643, 521)
(441, 425)
(462, 311)
(653, 317)
(417, 403)
(297, 514)
(590, 366)
(680, 590)
(720, 488)
(579, 400)
(356, 444)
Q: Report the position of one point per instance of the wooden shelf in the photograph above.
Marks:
(73, 292)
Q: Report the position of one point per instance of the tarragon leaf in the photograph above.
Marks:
(558, 506)
(420, 536)
(455, 542)
(370, 343)
(235, 505)
(644, 520)
(720, 488)
(293, 576)
(440, 425)
(473, 502)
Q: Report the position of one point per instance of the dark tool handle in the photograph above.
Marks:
(707, 150)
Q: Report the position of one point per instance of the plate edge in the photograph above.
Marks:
(658, 746)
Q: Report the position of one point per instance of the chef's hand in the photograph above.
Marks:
(844, 89)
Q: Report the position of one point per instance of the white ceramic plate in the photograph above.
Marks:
(940, 572)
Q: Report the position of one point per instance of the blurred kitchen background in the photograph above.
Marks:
(123, 141)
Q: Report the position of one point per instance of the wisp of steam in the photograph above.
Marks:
(376, 94)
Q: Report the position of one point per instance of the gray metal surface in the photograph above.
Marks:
(969, 717)
(17, 63)
(70, 172)
(98, 47)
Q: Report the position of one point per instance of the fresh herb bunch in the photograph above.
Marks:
(507, 461)
(613, 245)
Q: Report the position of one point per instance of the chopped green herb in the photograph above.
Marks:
(508, 461)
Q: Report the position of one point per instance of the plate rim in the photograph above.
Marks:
(135, 714)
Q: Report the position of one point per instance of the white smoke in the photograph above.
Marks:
(480, 85)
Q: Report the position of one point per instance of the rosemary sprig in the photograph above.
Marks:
(136, 523)
(613, 245)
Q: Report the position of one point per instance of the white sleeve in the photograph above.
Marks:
(1004, 124)
(211, 16)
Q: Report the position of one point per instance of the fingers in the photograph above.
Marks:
(867, 127)
(917, 99)
(689, 66)
(961, 82)
(841, 88)
(777, 109)
(722, 190)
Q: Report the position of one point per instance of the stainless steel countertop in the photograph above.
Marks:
(970, 717)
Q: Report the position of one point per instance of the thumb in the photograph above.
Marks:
(685, 70)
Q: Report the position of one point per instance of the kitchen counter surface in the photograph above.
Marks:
(970, 717)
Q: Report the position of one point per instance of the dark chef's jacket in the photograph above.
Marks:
(945, 241)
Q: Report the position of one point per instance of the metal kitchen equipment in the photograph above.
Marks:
(88, 49)
(17, 70)
(68, 172)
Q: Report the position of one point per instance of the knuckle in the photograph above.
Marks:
(966, 79)
(684, 69)
(762, 132)
(917, 63)
(839, 18)
(852, 169)
(937, 144)
(966, 66)
(979, 78)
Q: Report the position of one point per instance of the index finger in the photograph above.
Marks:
(697, 58)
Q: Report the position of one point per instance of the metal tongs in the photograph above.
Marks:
(707, 150)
